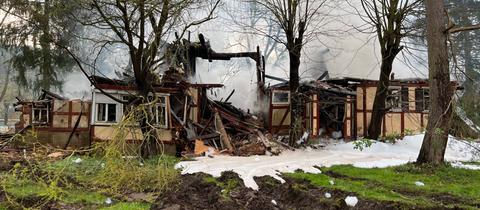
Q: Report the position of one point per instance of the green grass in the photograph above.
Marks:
(4, 206)
(398, 183)
(227, 186)
(90, 189)
(128, 206)
(26, 188)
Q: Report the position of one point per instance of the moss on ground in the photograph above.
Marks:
(227, 186)
(445, 185)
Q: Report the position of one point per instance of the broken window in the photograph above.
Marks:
(422, 97)
(281, 97)
(40, 116)
(394, 99)
(405, 102)
(160, 112)
(106, 112)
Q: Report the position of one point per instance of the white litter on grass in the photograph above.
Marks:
(274, 202)
(351, 200)
(78, 160)
(108, 201)
(420, 184)
(331, 182)
(328, 195)
(378, 155)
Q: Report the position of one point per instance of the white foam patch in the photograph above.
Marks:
(378, 155)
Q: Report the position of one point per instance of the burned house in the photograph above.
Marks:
(327, 110)
(178, 107)
(342, 107)
(56, 120)
(183, 113)
(407, 105)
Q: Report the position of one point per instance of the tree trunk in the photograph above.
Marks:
(46, 69)
(296, 125)
(144, 81)
(5, 121)
(375, 126)
(441, 90)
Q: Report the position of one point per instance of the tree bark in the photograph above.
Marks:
(375, 126)
(441, 90)
(296, 104)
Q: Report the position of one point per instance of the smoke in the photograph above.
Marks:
(337, 49)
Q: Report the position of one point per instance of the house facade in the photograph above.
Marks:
(56, 120)
(343, 107)
(327, 112)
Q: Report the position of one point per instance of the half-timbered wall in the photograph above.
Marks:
(395, 122)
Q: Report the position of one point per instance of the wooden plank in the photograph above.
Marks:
(223, 133)
(283, 120)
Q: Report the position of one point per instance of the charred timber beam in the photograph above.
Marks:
(275, 78)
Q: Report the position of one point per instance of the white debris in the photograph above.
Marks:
(274, 202)
(331, 182)
(78, 160)
(458, 164)
(320, 131)
(108, 201)
(379, 154)
(328, 195)
(351, 200)
(304, 138)
(337, 134)
(420, 184)
(141, 164)
(102, 165)
(210, 152)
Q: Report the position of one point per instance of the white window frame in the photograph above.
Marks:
(280, 102)
(97, 109)
(40, 116)
(156, 113)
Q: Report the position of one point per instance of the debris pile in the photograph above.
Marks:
(234, 131)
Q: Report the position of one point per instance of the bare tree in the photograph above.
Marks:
(299, 21)
(441, 89)
(388, 19)
(142, 27)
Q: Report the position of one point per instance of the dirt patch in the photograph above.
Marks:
(195, 192)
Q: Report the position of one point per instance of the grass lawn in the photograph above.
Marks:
(446, 185)
(79, 183)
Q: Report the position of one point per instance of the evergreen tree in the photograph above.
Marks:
(32, 36)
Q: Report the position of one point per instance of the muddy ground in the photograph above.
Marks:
(197, 193)
(201, 191)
